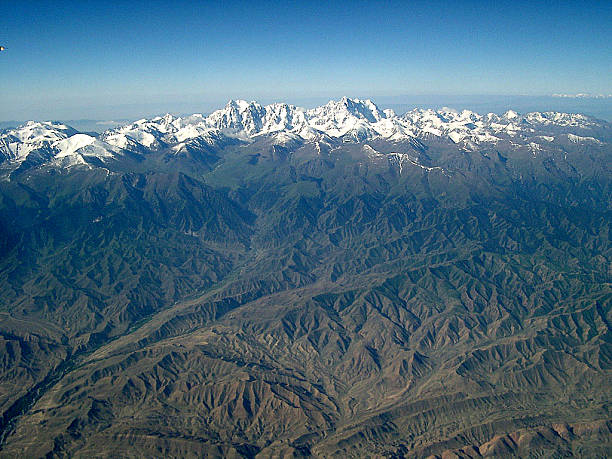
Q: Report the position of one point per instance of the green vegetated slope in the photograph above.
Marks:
(299, 301)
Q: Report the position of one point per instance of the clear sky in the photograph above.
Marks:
(102, 59)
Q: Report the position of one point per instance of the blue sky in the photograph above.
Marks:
(88, 59)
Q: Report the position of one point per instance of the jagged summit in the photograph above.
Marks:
(357, 120)
(348, 119)
(362, 109)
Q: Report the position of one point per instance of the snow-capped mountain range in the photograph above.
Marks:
(349, 120)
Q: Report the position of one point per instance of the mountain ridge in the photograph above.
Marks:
(351, 120)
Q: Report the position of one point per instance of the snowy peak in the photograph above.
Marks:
(157, 132)
(45, 131)
(349, 108)
(239, 115)
(281, 117)
(336, 118)
(16, 144)
(471, 129)
(84, 145)
(353, 118)
(52, 141)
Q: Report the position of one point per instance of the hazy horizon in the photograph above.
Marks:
(103, 60)
(99, 119)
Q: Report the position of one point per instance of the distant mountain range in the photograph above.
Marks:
(347, 119)
(343, 281)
